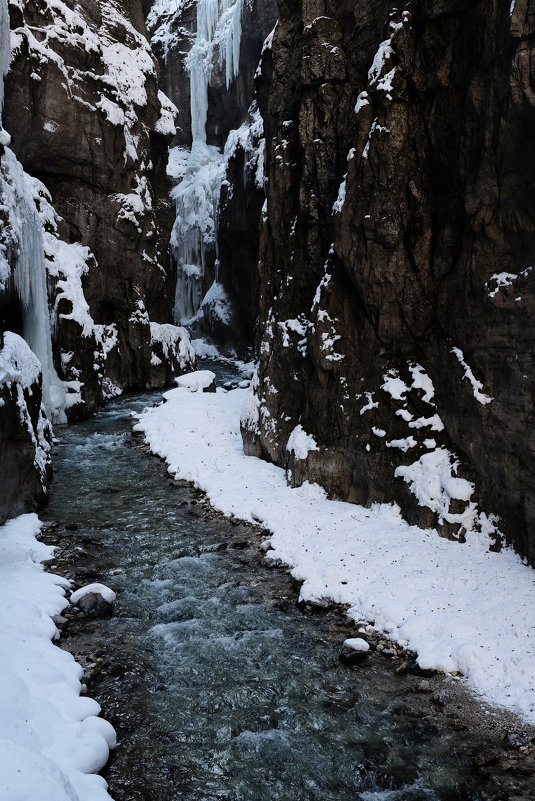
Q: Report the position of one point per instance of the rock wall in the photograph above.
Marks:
(25, 435)
(396, 302)
(89, 124)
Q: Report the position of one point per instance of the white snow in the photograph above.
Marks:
(440, 598)
(96, 589)
(301, 443)
(357, 644)
(504, 279)
(402, 444)
(193, 382)
(174, 341)
(477, 386)
(20, 370)
(51, 742)
(433, 481)
(395, 387)
(18, 364)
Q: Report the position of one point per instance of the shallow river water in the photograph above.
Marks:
(220, 687)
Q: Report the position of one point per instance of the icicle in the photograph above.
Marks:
(197, 196)
(30, 280)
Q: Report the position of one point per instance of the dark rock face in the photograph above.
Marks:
(87, 120)
(94, 606)
(24, 431)
(172, 32)
(396, 302)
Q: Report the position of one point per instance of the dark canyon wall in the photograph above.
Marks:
(89, 125)
(85, 218)
(396, 284)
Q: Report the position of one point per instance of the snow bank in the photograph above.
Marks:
(442, 599)
(51, 742)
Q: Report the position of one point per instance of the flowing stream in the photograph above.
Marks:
(219, 685)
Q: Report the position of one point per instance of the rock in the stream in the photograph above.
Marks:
(354, 650)
(95, 600)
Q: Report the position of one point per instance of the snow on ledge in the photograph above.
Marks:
(301, 443)
(442, 599)
(51, 742)
(477, 386)
(18, 364)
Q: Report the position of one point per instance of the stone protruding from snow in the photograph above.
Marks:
(95, 600)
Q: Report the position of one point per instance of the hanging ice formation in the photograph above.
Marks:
(25, 245)
(217, 42)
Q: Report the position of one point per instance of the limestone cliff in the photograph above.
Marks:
(396, 272)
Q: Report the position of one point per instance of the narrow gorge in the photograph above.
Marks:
(308, 227)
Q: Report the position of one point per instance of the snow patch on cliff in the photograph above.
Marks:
(300, 443)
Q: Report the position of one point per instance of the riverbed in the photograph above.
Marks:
(219, 684)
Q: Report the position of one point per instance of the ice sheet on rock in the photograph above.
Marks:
(442, 599)
(50, 740)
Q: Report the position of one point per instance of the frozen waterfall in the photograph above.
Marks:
(217, 43)
(25, 249)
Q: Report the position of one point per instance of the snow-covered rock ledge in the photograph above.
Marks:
(51, 740)
(460, 607)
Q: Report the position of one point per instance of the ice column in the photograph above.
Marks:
(31, 281)
(217, 42)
